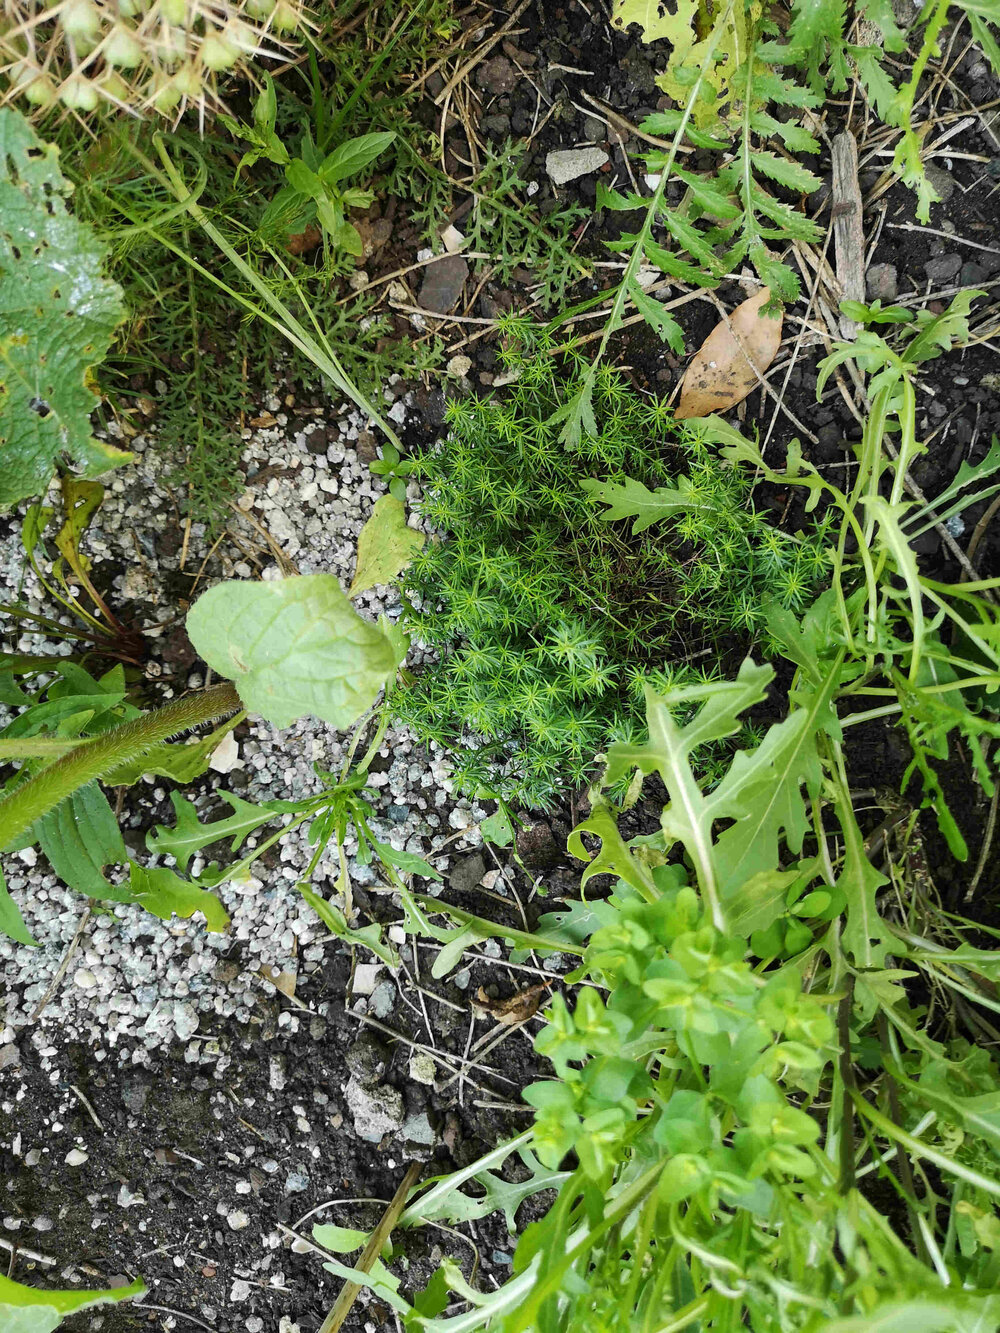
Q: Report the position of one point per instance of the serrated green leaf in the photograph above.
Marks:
(30, 1310)
(792, 175)
(57, 316)
(708, 195)
(293, 648)
(657, 318)
(690, 815)
(385, 547)
(631, 499)
(674, 267)
(165, 894)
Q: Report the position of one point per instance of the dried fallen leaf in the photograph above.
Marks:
(720, 374)
(281, 981)
(515, 1009)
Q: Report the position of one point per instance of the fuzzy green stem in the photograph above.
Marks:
(102, 754)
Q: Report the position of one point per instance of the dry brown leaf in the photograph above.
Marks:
(514, 1010)
(281, 981)
(720, 374)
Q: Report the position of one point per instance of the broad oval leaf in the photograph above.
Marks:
(730, 361)
(293, 648)
(386, 545)
(57, 315)
(29, 1310)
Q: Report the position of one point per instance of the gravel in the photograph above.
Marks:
(135, 984)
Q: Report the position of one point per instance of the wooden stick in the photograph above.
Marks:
(848, 226)
(379, 1236)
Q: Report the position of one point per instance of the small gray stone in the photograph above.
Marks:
(567, 164)
(423, 1068)
(497, 76)
(399, 814)
(296, 1181)
(238, 1220)
(418, 1129)
(942, 181)
(10, 1056)
(467, 873)
(443, 283)
(973, 275)
(595, 130)
(943, 269)
(366, 1058)
(383, 999)
(377, 1111)
(881, 282)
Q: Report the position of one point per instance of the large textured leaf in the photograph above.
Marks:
(28, 1310)
(292, 648)
(57, 315)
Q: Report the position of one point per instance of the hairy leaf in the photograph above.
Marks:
(57, 315)
(293, 648)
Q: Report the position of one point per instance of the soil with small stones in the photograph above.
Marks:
(195, 1177)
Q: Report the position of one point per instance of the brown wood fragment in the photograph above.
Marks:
(848, 226)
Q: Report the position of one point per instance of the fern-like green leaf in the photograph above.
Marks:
(630, 499)
(57, 316)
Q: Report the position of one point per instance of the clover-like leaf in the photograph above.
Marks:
(57, 315)
(293, 648)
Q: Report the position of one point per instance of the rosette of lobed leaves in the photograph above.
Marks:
(144, 56)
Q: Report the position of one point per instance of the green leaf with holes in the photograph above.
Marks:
(58, 313)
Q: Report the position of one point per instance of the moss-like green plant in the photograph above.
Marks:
(547, 617)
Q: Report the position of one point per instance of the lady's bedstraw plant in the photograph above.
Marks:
(547, 617)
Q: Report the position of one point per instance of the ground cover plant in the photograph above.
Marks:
(772, 1096)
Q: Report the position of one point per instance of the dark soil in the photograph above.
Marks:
(273, 1115)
